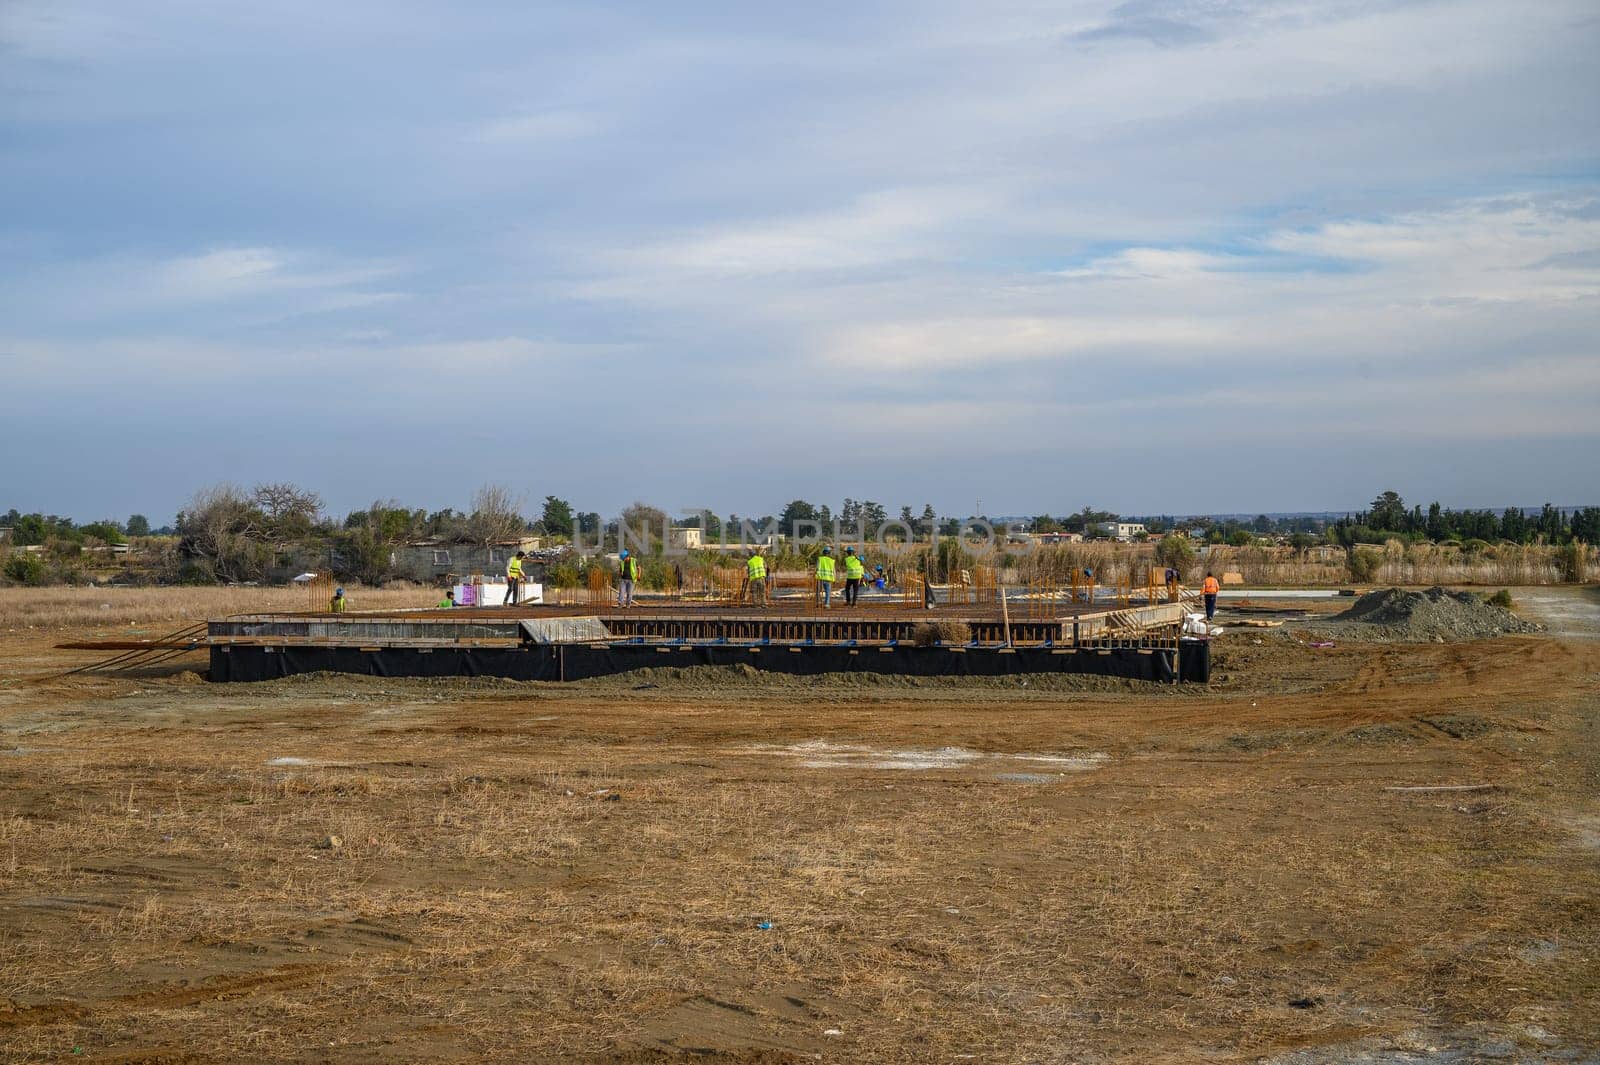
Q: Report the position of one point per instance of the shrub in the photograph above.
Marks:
(1175, 551)
(1570, 561)
(562, 575)
(1501, 598)
(1363, 563)
(25, 568)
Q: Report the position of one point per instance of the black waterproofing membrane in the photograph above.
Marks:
(561, 662)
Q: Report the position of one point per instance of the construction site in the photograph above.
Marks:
(973, 628)
(960, 824)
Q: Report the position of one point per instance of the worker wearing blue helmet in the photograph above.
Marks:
(627, 573)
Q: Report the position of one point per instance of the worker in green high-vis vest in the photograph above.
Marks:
(755, 571)
(853, 572)
(825, 577)
(627, 573)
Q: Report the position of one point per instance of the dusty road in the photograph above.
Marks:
(742, 869)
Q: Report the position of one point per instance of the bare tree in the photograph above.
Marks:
(291, 511)
(641, 526)
(496, 515)
(223, 527)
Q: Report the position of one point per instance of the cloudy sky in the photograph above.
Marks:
(1185, 256)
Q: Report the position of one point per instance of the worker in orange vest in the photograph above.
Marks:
(1210, 589)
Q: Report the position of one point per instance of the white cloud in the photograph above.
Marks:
(536, 127)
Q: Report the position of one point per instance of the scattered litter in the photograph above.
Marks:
(951, 909)
(287, 761)
(1322, 643)
(833, 1031)
(1307, 1003)
(330, 843)
(765, 926)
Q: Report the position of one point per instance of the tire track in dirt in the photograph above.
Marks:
(218, 988)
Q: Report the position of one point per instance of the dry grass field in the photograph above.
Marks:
(725, 868)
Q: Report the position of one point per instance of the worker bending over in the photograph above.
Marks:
(825, 577)
(755, 571)
(1210, 589)
(853, 572)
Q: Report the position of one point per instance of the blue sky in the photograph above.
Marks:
(1202, 255)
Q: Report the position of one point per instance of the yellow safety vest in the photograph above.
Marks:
(825, 568)
(756, 568)
(630, 569)
(338, 604)
(853, 569)
(514, 568)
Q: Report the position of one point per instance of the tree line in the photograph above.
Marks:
(1389, 518)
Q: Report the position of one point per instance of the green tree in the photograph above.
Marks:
(557, 517)
(798, 510)
(108, 531)
(138, 525)
(1388, 513)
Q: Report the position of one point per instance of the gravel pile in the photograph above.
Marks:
(1436, 614)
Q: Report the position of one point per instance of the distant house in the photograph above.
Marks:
(1120, 530)
(5, 534)
(688, 538)
(435, 559)
(1056, 538)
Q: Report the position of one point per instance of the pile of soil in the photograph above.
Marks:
(1436, 614)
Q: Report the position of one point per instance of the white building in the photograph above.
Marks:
(1120, 530)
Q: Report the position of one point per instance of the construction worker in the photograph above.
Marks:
(880, 579)
(627, 573)
(1210, 589)
(340, 604)
(755, 571)
(514, 578)
(853, 572)
(448, 601)
(825, 577)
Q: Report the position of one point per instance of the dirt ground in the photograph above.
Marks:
(727, 868)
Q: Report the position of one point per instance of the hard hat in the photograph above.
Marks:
(827, 550)
(624, 553)
(338, 591)
(849, 550)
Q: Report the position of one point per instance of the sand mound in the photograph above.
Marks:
(929, 633)
(1436, 614)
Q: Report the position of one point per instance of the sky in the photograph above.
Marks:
(1155, 257)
